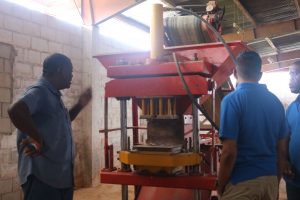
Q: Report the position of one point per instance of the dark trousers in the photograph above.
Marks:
(34, 189)
(293, 192)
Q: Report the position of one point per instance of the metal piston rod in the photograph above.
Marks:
(123, 120)
(196, 147)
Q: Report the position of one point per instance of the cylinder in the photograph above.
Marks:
(156, 31)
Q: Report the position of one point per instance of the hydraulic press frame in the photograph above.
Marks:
(200, 65)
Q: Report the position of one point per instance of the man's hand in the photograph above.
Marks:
(85, 97)
(220, 189)
(83, 100)
(227, 160)
(32, 147)
(287, 169)
(22, 119)
(284, 166)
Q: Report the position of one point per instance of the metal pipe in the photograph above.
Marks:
(135, 121)
(197, 194)
(195, 129)
(174, 107)
(124, 192)
(156, 32)
(212, 156)
(169, 104)
(111, 157)
(128, 143)
(160, 105)
(117, 129)
(151, 107)
(196, 147)
(190, 144)
(106, 159)
(143, 106)
(123, 120)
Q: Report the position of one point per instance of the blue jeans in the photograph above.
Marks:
(34, 189)
(293, 192)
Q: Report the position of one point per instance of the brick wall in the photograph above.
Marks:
(34, 36)
(9, 186)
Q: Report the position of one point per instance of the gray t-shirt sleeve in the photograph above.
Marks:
(35, 99)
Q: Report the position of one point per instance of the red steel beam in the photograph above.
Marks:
(129, 178)
(157, 86)
(164, 69)
(94, 12)
(226, 68)
(214, 53)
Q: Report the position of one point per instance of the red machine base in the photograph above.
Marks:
(189, 182)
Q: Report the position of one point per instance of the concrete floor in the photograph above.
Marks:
(102, 192)
(113, 192)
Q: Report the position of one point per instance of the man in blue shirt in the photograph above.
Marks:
(254, 134)
(44, 141)
(293, 118)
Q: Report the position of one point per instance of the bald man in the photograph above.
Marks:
(293, 118)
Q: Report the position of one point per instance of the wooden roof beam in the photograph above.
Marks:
(297, 2)
(245, 12)
(272, 45)
(265, 30)
(282, 61)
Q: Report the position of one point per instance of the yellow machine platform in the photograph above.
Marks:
(160, 159)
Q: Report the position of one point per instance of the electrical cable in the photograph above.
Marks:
(211, 28)
(191, 96)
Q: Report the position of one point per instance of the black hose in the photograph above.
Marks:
(191, 96)
(211, 28)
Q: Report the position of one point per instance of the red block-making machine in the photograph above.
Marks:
(173, 89)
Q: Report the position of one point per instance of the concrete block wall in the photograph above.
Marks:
(9, 184)
(34, 36)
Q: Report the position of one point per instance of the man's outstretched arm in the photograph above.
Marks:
(83, 100)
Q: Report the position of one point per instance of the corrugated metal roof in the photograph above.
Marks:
(262, 11)
(284, 43)
(265, 11)
(233, 15)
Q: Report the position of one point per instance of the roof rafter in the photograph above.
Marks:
(272, 45)
(168, 3)
(133, 22)
(297, 2)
